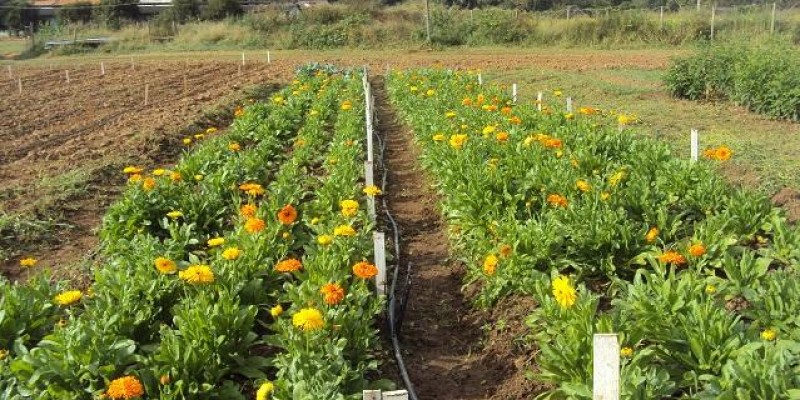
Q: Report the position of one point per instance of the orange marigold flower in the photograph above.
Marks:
(175, 176)
(365, 270)
(557, 200)
(697, 250)
(651, 235)
(253, 189)
(552, 143)
(165, 265)
(466, 102)
(333, 293)
(501, 136)
(506, 110)
(148, 184)
(505, 250)
(723, 153)
(234, 146)
(248, 210)
(127, 387)
(289, 265)
(515, 120)
(254, 225)
(672, 257)
(287, 215)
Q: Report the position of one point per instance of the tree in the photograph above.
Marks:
(113, 12)
(17, 16)
(219, 9)
(185, 10)
(78, 12)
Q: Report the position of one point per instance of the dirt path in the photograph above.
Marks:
(442, 338)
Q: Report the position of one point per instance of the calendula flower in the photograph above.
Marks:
(505, 250)
(672, 257)
(234, 146)
(175, 176)
(289, 265)
(28, 262)
(198, 177)
(132, 170)
(488, 130)
(165, 265)
(238, 112)
(711, 289)
(372, 191)
(569, 116)
(626, 352)
(135, 178)
(265, 390)
(583, 186)
(199, 136)
(769, 334)
(490, 264)
(623, 119)
(287, 215)
(217, 241)
(211, 130)
(458, 141)
(127, 387)
(344, 230)
(349, 208)
(159, 172)
(501, 137)
(3, 354)
(197, 274)
(605, 196)
(557, 200)
(174, 214)
(615, 179)
(651, 235)
(466, 101)
(697, 250)
(347, 105)
(69, 297)
(450, 114)
(365, 270)
(557, 93)
(252, 189)
(231, 253)
(430, 92)
(164, 380)
(552, 143)
(324, 240)
(187, 141)
(588, 110)
(254, 225)
(248, 210)
(332, 293)
(148, 184)
(276, 311)
(563, 292)
(439, 137)
(308, 319)
(723, 153)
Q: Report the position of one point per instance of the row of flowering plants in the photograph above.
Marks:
(240, 272)
(609, 232)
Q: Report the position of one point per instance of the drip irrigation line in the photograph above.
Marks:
(395, 321)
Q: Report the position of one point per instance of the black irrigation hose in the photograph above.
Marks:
(395, 321)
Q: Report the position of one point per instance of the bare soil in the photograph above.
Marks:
(451, 350)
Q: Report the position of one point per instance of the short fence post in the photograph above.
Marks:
(133, 66)
(396, 395)
(368, 115)
(380, 261)
(605, 367)
(772, 20)
(569, 104)
(371, 395)
(713, 17)
(19, 85)
(146, 93)
(480, 79)
(66, 74)
(539, 97)
(102, 69)
(514, 93)
(369, 180)
(10, 76)
(661, 19)
(269, 58)
(243, 59)
(695, 143)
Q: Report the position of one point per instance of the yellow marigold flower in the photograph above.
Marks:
(490, 264)
(165, 265)
(710, 153)
(276, 311)
(333, 293)
(651, 235)
(308, 319)
(457, 141)
(450, 114)
(287, 215)
(529, 141)
(515, 120)
(187, 141)
(364, 270)
(557, 93)
(278, 100)
(314, 221)
(252, 189)
(212, 130)
(248, 210)
(132, 170)
(347, 105)
(254, 225)
(372, 191)
(615, 179)
(344, 230)
(723, 153)
(3, 354)
(672, 257)
(505, 250)
(324, 239)
(413, 89)
(588, 110)
(349, 208)
(135, 178)
(198, 177)
(430, 92)
(197, 274)
(148, 184)
(231, 253)
(69, 297)
(439, 137)
(28, 262)
(175, 176)
(234, 146)
(769, 334)
(583, 186)
(501, 136)
(711, 289)
(626, 352)
(127, 387)
(199, 136)
(574, 162)
(159, 172)
(557, 200)
(697, 250)
(563, 292)
(569, 116)
(605, 196)
(265, 390)
(623, 119)
(289, 265)
(488, 130)
(175, 214)
(217, 241)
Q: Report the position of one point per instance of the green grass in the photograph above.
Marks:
(765, 150)
(12, 47)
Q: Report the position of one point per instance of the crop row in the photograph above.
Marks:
(609, 232)
(240, 270)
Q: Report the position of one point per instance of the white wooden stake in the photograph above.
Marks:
(480, 79)
(10, 76)
(242, 58)
(661, 20)
(605, 366)
(369, 180)
(514, 92)
(240, 69)
(368, 116)
(19, 85)
(698, 5)
(395, 395)
(380, 261)
(771, 22)
(539, 101)
(713, 17)
(269, 59)
(146, 93)
(695, 143)
(569, 104)
(102, 69)
(66, 73)
(371, 395)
